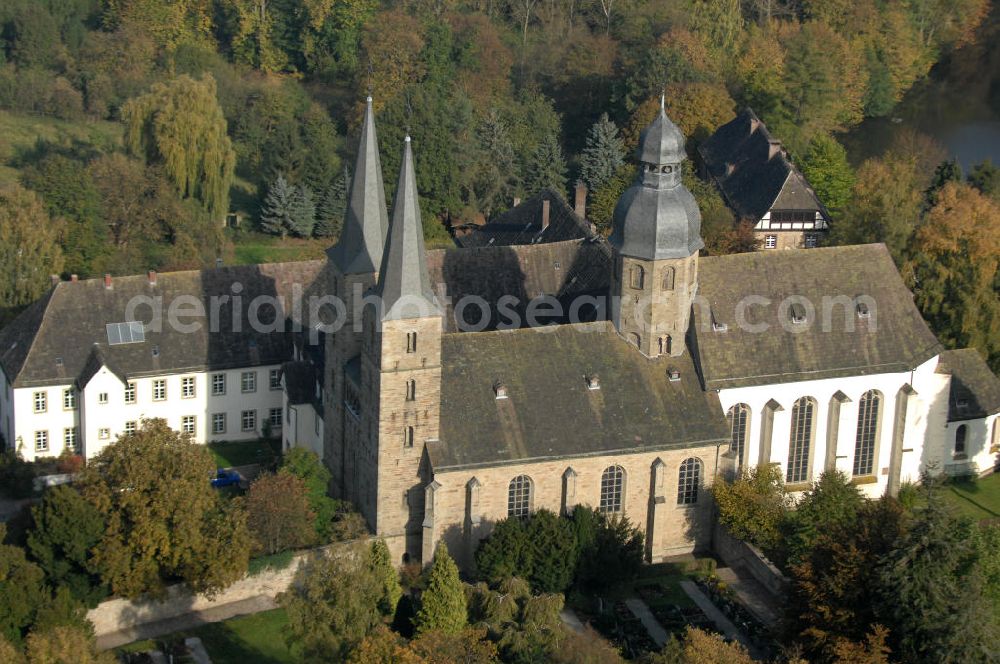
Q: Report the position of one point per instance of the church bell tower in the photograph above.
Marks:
(656, 237)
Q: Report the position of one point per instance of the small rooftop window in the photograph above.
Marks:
(593, 382)
(797, 313)
(156, 351)
(962, 405)
(59, 361)
(862, 309)
(500, 390)
(673, 375)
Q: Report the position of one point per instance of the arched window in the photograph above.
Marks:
(739, 423)
(633, 339)
(519, 496)
(960, 435)
(408, 437)
(411, 342)
(868, 429)
(688, 480)
(612, 484)
(636, 276)
(800, 441)
(665, 343)
(668, 278)
(411, 390)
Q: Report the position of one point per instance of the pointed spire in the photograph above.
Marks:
(404, 283)
(359, 249)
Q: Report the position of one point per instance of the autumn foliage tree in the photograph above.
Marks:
(29, 248)
(164, 521)
(278, 513)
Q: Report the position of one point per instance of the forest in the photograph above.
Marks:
(131, 130)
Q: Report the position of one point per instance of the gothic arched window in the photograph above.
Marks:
(411, 390)
(800, 441)
(637, 276)
(519, 496)
(867, 436)
(688, 481)
(612, 486)
(668, 278)
(960, 435)
(739, 424)
(633, 339)
(408, 437)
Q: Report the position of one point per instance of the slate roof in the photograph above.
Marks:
(522, 224)
(752, 170)
(63, 337)
(561, 269)
(300, 382)
(975, 389)
(895, 337)
(550, 412)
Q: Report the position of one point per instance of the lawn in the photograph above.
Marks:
(241, 453)
(258, 638)
(22, 132)
(978, 499)
(252, 248)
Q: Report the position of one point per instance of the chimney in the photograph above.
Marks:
(580, 204)
(74, 278)
(545, 214)
(517, 201)
(107, 281)
(54, 278)
(152, 277)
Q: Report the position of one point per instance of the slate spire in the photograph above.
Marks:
(404, 283)
(359, 249)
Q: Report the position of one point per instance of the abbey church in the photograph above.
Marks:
(538, 365)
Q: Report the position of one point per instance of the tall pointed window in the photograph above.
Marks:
(411, 342)
(688, 481)
(800, 441)
(868, 429)
(408, 437)
(411, 390)
(636, 276)
(668, 278)
(519, 497)
(739, 424)
(612, 486)
(960, 435)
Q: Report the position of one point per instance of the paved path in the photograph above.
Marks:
(571, 620)
(725, 625)
(649, 621)
(752, 594)
(186, 621)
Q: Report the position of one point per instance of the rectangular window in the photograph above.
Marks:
(218, 423)
(187, 424)
(130, 427)
(69, 399)
(218, 384)
(411, 342)
(159, 389)
(187, 387)
(770, 241)
(274, 415)
(129, 392)
(104, 433)
(248, 420)
(102, 398)
(41, 441)
(70, 440)
(248, 381)
(812, 240)
(41, 402)
(275, 379)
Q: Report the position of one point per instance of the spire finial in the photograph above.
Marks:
(663, 101)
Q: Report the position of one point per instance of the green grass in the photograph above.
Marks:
(241, 453)
(21, 133)
(252, 248)
(258, 638)
(275, 561)
(977, 499)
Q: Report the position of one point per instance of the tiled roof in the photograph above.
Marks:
(550, 411)
(975, 389)
(522, 224)
(300, 382)
(60, 338)
(765, 287)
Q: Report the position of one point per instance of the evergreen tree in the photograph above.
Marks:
(947, 171)
(387, 577)
(547, 168)
(443, 605)
(302, 211)
(276, 214)
(825, 166)
(333, 207)
(554, 551)
(603, 155)
(986, 178)
(495, 180)
(879, 98)
(307, 465)
(832, 503)
(22, 590)
(505, 553)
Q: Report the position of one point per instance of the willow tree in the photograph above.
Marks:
(29, 247)
(180, 125)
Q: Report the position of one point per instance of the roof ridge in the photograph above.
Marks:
(192, 271)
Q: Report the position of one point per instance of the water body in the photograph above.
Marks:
(958, 104)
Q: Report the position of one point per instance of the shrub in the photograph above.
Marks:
(753, 507)
(615, 554)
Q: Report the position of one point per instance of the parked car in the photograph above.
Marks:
(226, 477)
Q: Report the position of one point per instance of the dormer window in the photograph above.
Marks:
(673, 375)
(962, 405)
(797, 313)
(500, 390)
(862, 309)
(667, 169)
(593, 382)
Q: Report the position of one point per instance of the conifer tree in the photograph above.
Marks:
(386, 576)
(330, 214)
(276, 214)
(547, 167)
(825, 166)
(443, 604)
(302, 211)
(603, 154)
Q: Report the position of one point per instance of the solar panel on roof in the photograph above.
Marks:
(131, 332)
